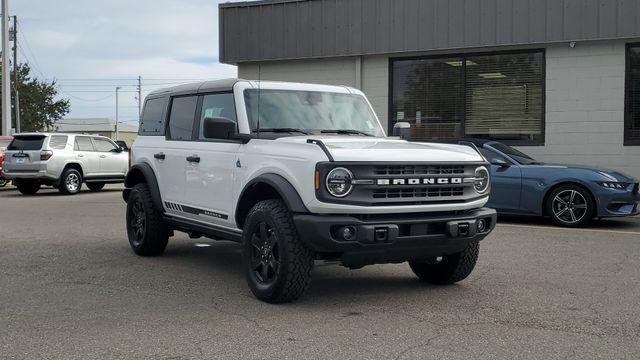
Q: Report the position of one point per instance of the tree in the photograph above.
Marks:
(39, 108)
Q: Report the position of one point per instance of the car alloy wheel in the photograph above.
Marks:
(137, 221)
(570, 206)
(265, 257)
(72, 182)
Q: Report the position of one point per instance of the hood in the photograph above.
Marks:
(352, 148)
(606, 174)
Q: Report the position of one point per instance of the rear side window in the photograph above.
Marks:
(153, 117)
(58, 142)
(25, 143)
(83, 143)
(183, 113)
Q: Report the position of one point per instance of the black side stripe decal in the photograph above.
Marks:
(195, 211)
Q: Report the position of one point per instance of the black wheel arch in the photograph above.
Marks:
(143, 173)
(267, 186)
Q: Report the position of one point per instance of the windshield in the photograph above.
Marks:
(516, 155)
(310, 111)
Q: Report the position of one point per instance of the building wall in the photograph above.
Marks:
(373, 79)
(330, 71)
(585, 108)
(584, 111)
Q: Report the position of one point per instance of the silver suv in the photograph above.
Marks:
(64, 161)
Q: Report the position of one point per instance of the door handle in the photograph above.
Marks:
(159, 156)
(103, 156)
(193, 159)
(80, 155)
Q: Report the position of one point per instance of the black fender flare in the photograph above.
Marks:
(149, 177)
(284, 188)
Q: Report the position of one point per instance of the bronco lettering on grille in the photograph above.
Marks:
(418, 181)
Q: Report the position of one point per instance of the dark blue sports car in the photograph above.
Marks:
(571, 195)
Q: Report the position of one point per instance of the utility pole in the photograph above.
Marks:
(15, 72)
(6, 80)
(140, 98)
(117, 89)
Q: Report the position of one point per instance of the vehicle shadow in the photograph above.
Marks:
(50, 192)
(624, 224)
(330, 283)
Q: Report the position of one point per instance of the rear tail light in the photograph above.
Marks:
(46, 155)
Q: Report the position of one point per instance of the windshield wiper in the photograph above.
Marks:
(281, 130)
(345, 132)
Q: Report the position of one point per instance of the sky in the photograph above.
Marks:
(91, 47)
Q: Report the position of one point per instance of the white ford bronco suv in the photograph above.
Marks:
(298, 173)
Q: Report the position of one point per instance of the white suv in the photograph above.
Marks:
(298, 173)
(64, 161)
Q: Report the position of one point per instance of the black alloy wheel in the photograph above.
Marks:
(276, 263)
(136, 220)
(148, 234)
(265, 255)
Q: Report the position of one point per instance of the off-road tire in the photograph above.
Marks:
(155, 236)
(27, 187)
(64, 187)
(586, 195)
(95, 186)
(295, 260)
(451, 269)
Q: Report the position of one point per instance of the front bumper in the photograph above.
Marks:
(393, 238)
(618, 203)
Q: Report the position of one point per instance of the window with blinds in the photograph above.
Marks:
(496, 96)
(632, 107)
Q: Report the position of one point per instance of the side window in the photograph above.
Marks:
(58, 142)
(104, 145)
(153, 117)
(217, 105)
(183, 112)
(83, 143)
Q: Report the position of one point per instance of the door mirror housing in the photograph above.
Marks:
(402, 130)
(499, 162)
(219, 128)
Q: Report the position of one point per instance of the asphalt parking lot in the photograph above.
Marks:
(70, 288)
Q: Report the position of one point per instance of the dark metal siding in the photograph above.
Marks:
(293, 29)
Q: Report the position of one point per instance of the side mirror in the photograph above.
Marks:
(402, 129)
(500, 163)
(218, 128)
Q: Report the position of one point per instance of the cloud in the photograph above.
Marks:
(75, 41)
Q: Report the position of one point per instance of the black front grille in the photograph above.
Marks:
(435, 192)
(419, 170)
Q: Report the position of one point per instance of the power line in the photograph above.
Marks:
(36, 65)
(87, 100)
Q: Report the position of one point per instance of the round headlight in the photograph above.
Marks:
(339, 182)
(481, 182)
